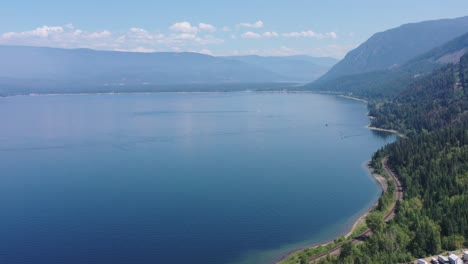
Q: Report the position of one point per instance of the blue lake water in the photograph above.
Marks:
(210, 178)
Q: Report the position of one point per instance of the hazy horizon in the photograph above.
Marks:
(221, 29)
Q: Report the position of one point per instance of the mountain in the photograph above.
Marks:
(431, 162)
(38, 69)
(433, 102)
(299, 68)
(389, 82)
(450, 52)
(396, 46)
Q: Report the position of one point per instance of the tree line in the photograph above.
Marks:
(432, 164)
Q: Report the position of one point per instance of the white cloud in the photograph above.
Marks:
(101, 34)
(332, 35)
(206, 27)
(141, 35)
(45, 31)
(56, 33)
(258, 24)
(41, 32)
(270, 34)
(251, 35)
(137, 49)
(184, 27)
(77, 32)
(139, 31)
(310, 34)
(184, 36)
(66, 36)
(226, 29)
(134, 39)
(206, 52)
(208, 40)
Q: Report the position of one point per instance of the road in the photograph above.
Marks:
(388, 216)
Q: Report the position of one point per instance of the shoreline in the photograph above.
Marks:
(385, 130)
(353, 98)
(381, 181)
(338, 94)
(349, 228)
(371, 117)
(156, 92)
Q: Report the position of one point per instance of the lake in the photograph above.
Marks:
(211, 178)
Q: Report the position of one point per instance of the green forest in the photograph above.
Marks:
(432, 164)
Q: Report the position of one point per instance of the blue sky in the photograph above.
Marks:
(317, 28)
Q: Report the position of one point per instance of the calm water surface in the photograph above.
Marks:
(179, 178)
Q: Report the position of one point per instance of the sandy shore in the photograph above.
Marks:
(372, 117)
(353, 98)
(386, 130)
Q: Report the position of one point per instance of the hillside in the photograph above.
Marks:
(396, 46)
(295, 68)
(431, 103)
(431, 163)
(385, 83)
(35, 69)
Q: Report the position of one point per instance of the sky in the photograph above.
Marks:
(328, 28)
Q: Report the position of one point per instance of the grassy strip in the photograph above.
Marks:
(359, 230)
(302, 256)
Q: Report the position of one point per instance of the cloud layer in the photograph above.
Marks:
(180, 36)
(258, 24)
(310, 34)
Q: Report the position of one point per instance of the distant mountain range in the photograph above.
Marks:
(368, 71)
(38, 69)
(298, 68)
(382, 66)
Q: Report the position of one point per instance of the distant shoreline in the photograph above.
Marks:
(159, 92)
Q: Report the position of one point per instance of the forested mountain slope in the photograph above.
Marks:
(390, 82)
(433, 102)
(432, 164)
